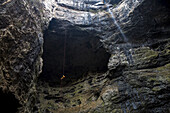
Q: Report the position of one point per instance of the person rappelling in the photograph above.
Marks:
(63, 77)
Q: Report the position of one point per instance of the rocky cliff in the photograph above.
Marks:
(114, 54)
(21, 38)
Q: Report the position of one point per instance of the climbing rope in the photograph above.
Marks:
(64, 56)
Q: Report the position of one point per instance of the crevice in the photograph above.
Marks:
(8, 102)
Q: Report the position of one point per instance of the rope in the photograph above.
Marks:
(64, 52)
(64, 55)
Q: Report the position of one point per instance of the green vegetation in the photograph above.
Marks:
(150, 54)
(114, 6)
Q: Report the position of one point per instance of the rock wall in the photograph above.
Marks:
(21, 39)
(143, 87)
(137, 80)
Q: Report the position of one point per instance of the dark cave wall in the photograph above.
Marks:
(83, 52)
(8, 102)
(150, 21)
(157, 26)
(20, 49)
(144, 24)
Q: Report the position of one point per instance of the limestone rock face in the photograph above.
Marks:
(143, 22)
(21, 39)
(137, 79)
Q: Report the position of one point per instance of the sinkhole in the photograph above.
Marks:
(83, 50)
(8, 102)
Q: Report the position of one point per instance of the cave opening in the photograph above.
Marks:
(8, 102)
(84, 53)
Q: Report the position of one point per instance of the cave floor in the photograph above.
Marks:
(82, 95)
(97, 93)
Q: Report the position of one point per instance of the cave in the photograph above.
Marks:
(8, 102)
(83, 53)
(114, 54)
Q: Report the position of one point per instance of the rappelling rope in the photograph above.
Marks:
(64, 57)
(64, 53)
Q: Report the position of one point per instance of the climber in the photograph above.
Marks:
(62, 77)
